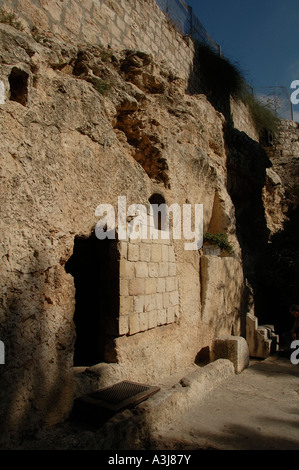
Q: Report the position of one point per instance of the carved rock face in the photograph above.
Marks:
(73, 144)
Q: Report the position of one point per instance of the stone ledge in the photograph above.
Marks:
(233, 348)
(132, 427)
(262, 340)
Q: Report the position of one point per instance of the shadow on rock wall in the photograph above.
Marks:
(271, 263)
(216, 78)
(281, 273)
(246, 174)
(265, 264)
(36, 380)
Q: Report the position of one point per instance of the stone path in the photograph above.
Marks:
(255, 410)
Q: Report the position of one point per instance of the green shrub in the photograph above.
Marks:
(220, 240)
(220, 79)
(100, 85)
(218, 75)
(11, 19)
(262, 115)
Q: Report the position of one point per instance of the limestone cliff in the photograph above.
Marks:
(82, 125)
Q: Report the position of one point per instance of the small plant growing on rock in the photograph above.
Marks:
(218, 76)
(262, 114)
(100, 85)
(36, 34)
(220, 79)
(218, 239)
(11, 19)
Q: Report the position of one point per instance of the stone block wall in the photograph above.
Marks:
(148, 285)
(287, 142)
(120, 24)
(242, 119)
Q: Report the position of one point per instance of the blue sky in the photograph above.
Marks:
(261, 36)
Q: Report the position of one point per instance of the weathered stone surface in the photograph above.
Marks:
(274, 201)
(63, 154)
(285, 158)
(262, 342)
(221, 290)
(193, 388)
(175, 397)
(89, 124)
(2, 92)
(209, 250)
(234, 348)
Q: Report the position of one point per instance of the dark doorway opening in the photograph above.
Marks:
(18, 81)
(94, 266)
(157, 202)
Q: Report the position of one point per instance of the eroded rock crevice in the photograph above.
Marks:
(147, 149)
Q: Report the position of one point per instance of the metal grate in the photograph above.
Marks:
(120, 392)
(119, 396)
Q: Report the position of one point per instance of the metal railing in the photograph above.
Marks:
(276, 98)
(186, 22)
(182, 17)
